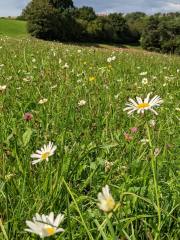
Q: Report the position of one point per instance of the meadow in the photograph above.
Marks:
(74, 97)
(12, 28)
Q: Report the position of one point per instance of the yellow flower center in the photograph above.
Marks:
(50, 231)
(45, 155)
(110, 203)
(143, 105)
(91, 78)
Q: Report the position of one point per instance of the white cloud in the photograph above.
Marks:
(172, 6)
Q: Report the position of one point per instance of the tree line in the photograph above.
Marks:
(60, 20)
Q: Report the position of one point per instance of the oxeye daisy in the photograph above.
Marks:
(106, 201)
(45, 225)
(3, 87)
(44, 154)
(81, 103)
(140, 106)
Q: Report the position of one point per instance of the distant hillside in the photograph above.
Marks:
(12, 28)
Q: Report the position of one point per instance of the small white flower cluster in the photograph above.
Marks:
(3, 87)
(111, 59)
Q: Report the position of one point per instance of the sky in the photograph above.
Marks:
(14, 7)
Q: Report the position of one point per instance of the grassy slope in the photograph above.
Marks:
(86, 137)
(12, 28)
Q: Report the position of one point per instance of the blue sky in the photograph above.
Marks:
(14, 7)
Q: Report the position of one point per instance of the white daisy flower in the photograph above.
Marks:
(152, 123)
(113, 58)
(140, 106)
(65, 66)
(144, 81)
(43, 154)
(106, 201)
(109, 59)
(81, 103)
(3, 87)
(143, 73)
(45, 225)
(42, 101)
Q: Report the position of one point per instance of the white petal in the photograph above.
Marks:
(44, 218)
(33, 226)
(152, 110)
(139, 100)
(34, 155)
(128, 108)
(51, 218)
(58, 220)
(59, 230)
(133, 102)
(38, 217)
(146, 100)
(100, 197)
(36, 161)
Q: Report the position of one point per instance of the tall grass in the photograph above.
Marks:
(142, 175)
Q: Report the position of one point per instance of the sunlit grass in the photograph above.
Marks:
(13, 28)
(93, 148)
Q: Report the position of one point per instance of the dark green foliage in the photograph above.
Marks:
(85, 13)
(60, 20)
(121, 30)
(162, 33)
(61, 3)
(136, 22)
(50, 23)
(100, 30)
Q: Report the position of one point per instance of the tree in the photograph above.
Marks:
(121, 29)
(100, 30)
(85, 13)
(136, 22)
(150, 38)
(61, 3)
(50, 23)
(162, 33)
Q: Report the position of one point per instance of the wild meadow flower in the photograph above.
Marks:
(66, 66)
(45, 225)
(128, 137)
(144, 81)
(106, 201)
(81, 103)
(92, 78)
(134, 129)
(54, 86)
(143, 73)
(42, 101)
(152, 123)
(44, 154)
(157, 151)
(2, 87)
(27, 116)
(116, 96)
(108, 165)
(110, 59)
(140, 106)
(144, 141)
